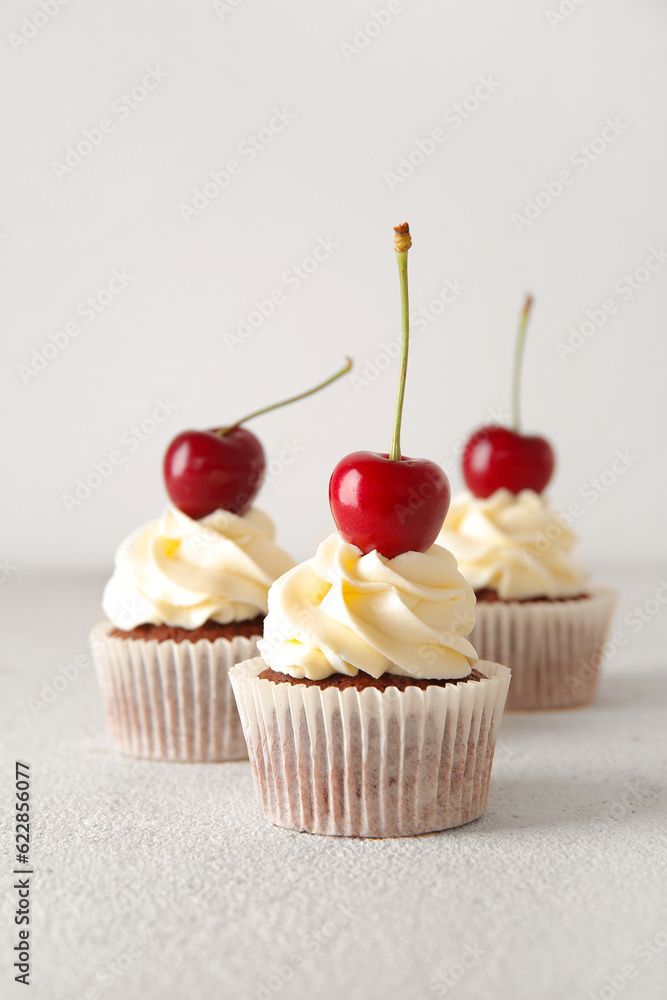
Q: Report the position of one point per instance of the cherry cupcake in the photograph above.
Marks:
(537, 608)
(187, 601)
(368, 713)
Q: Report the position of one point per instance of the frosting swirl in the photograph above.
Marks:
(343, 611)
(181, 572)
(516, 545)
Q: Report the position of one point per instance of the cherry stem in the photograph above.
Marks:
(402, 243)
(518, 358)
(285, 402)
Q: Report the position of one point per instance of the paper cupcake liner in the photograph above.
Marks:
(554, 649)
(369, 763)
(171, 700)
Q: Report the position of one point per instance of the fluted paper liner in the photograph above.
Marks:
(554, 648)
(370, 763)
(171, 700)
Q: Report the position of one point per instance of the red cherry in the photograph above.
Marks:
(499, 458)
(222, 469)
(391, 506)
(496, 457)
(387, 502)
(205, 471)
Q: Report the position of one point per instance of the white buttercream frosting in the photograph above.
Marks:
(343, 611)
(181, 572)
(517, 545)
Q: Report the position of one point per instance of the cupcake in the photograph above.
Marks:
(537, 608)
(186, 601)
(368, 713)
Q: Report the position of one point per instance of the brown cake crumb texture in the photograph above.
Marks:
(491, 597)
(361, 680)
(209, 630)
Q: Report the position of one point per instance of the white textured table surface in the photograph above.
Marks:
(163, 881)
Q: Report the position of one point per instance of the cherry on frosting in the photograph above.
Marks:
(387, 502)
(221, 469)
(204, 471)
(391, 506)
(498, 457)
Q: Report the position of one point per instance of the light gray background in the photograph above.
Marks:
(324, 176)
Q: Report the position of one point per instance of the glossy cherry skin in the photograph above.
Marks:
(204, 471)
(498, 458)
(393, 507)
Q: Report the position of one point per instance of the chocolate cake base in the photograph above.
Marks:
(492, 596)
(209, 630)
(361, 680)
